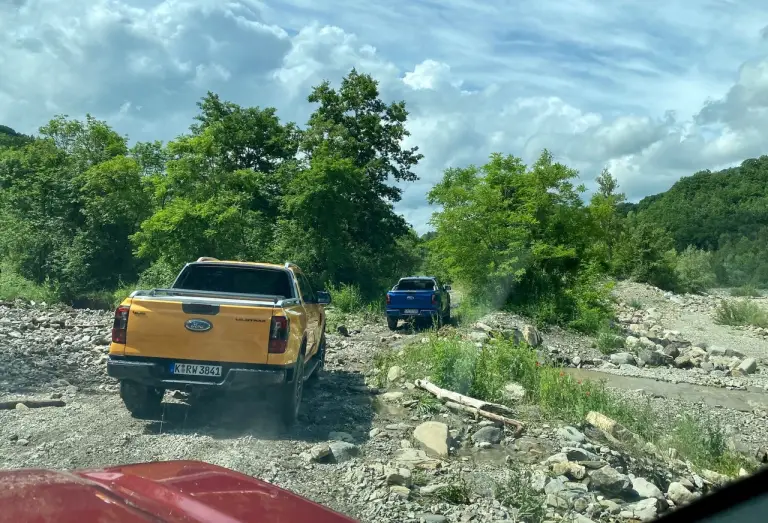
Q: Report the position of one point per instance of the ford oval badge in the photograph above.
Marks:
(198, 325)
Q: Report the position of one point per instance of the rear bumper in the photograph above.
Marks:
(156, 372)
(423, 313)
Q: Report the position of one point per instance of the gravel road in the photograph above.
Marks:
(355, 447)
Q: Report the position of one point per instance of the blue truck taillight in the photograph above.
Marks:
(389, 299)
(434, 299)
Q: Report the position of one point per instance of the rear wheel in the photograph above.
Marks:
(140, 400)
(292, 393)
(392, 323)
(320, 356)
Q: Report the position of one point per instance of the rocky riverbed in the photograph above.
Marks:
(379, 455)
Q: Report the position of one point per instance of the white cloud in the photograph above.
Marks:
(653, 90)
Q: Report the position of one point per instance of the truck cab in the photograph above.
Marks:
(418, 297)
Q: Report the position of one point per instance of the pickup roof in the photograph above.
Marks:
(418, 297)
(222, 325)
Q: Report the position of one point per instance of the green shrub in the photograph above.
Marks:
(517, 492)
(694, 270)
(702, 440)
(741, 313)
(160, 274)
(746, 291)
(457, 492)
(346, 299)
(609, 341)
(13, 286)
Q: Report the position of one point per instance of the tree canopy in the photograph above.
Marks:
(84, 212)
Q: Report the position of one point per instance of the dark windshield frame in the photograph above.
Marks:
(288, 286)
(425, 281)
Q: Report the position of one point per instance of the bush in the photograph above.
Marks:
(746, 291)
(160, 274)
(518, 492)
(346, 299)
(741, 313)
(694, 270)
(609, 341)
(703, 441)
(13, 286)
(646, 253)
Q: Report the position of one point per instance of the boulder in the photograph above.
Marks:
(679, 494)
(492, 435)
(623, 358)
(432, 436)
(646, 489)
(609, 481)
(748, 366)
(532, 336)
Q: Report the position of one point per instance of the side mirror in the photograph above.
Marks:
(447, 287)
(323, 297)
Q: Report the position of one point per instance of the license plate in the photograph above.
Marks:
(411, 311)
(189, 369)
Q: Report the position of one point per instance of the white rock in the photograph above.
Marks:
(433, 438)
(646, 489)
(679, 494)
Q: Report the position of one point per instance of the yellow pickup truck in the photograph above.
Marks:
(221, 326)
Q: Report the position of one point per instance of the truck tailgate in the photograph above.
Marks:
(410, 300)
(178, 328)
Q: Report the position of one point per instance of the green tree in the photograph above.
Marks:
(518, 235)
(339, 199)
(606, 218)
(645, 252)
(217, 190)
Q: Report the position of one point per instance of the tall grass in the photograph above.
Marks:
(746, 291)
(458, 365)
(13, 287)
(741, 313)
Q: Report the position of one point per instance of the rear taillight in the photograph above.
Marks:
(389, 299)
(278, 335)
(434, 299)
(120, 325)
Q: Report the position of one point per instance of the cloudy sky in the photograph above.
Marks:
(653, 90)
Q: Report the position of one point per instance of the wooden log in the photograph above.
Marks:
(492, 411)
(461, 399)
(518, 426)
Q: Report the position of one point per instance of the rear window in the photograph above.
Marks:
(415, 285)
(239, 280)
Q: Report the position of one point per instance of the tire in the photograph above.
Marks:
(321, 356)
(392, 323)
(141, 401)
(291, 395)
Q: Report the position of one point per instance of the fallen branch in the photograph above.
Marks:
(492, 411)
(32, 404)
(489, 415)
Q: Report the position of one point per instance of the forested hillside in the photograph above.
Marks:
(725, 212)
(83, 214)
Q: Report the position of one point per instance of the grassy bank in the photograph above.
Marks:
(741, 313)
(458, 365)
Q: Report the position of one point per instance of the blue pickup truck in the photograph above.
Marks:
(418, 297)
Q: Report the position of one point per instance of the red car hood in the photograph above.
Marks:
(166, 491)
